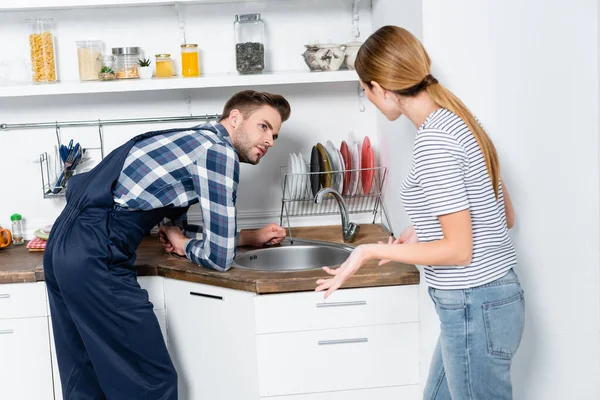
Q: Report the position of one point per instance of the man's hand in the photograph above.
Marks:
(270, 234)
(173, 239)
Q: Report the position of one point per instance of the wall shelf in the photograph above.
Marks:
(209, 81)
(6, 5)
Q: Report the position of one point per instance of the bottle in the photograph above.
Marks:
(17, 229)
(190, 60)
(249, 32)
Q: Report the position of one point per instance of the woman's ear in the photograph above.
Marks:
(378, 90)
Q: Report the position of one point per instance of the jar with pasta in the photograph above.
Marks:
(126, 62)
(42, 52)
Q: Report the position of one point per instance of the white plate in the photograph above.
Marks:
(304, 177)
(296, 177)
(336, 165)
(290, 178)
(343, 169)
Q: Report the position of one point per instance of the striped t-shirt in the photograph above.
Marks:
(447, 175)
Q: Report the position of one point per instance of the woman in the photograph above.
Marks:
(461, 213)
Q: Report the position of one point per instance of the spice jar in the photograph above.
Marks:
(17, 228)
(89, 57)
(164, 66)
(190, 60)
(249, 43)
(41, 46)
(107, 71)
(126, 62)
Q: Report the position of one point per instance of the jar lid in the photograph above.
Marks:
(162, 55)
(120, 51)
(247, 17)
(188, 45)
(16, 217)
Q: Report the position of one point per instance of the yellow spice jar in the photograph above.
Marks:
(164, 66)
(189, 60)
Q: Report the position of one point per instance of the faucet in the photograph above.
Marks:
(349, 229)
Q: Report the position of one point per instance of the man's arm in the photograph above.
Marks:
(215, 178)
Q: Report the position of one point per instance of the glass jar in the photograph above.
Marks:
(126, 62)
(89, 57)
(107, 71)
(190, 60)
(41, 47)
(249, 43)
(17, 229)
(164, 66)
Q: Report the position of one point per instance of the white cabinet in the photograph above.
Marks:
(211, 341)
(25, 368)
(228, 344)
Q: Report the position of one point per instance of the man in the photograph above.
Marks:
(108, 341)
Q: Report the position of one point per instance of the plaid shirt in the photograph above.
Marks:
(182, 168)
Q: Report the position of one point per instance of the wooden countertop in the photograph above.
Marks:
(17, 264)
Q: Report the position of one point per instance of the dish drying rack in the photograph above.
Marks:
(302, 203)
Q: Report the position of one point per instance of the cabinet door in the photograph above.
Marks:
(338, 359)
(211, 341)
(55, 372)
(25, 369)
(155, 287)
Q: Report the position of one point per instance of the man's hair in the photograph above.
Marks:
(248, 101)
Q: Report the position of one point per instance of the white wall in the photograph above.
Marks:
(397, 138)
(529, 71)
(319, 111)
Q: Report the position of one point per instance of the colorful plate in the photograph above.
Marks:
(345, 151)
(41, 234)
(368, 161)
(314, 169)
(325, 166)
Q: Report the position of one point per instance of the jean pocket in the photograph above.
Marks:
(448, 299)
(504, 322)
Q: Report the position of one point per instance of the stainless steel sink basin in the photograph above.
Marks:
(302, 255)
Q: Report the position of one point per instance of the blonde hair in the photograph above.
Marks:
(398, 62)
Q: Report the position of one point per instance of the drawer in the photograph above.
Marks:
(412, 392)
(338, 359)
(20, 300)
(25, 368)
(154, 285)
(290, 312)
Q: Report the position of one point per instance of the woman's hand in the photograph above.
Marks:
(407, 236)
(341, 274)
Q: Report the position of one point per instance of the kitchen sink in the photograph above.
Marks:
(302, 255)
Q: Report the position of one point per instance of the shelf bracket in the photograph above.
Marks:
(361, 98)
(180, 22)
(355, 19)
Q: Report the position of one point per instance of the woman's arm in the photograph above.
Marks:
(455, 248)
(508, 207)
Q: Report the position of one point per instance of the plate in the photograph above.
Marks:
(324, 166)
(314, 169)
(304, 176)
(297, 177)
(343, 169)
(356, 173)
(368, 161)
(345, 151)
(290, 178)
(41, 234)
(335, 165)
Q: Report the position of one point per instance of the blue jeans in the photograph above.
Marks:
(481, 329)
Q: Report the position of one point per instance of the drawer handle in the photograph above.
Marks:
(342, 341)
(210, 296)
(342, 304)
(6, 332)
(4, 296)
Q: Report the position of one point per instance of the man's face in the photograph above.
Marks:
(257, 132)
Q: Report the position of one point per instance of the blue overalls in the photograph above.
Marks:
(108, 341)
